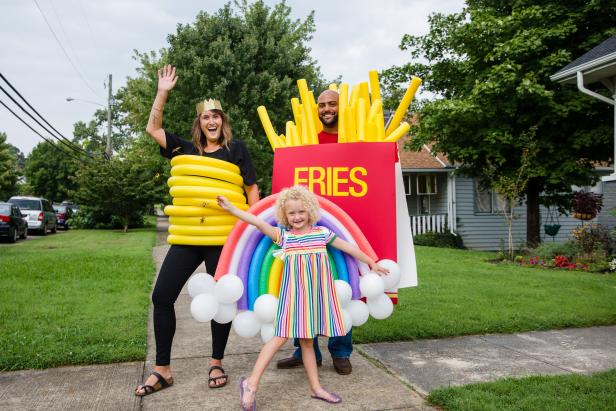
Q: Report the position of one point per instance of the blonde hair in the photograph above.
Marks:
(199, 139)
(297, 193)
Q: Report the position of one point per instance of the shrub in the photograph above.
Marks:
(442, 240)
(590, 239)
(549, 250)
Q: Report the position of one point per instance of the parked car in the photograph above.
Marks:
(41, 216)
(12, 222)
(74, 207)
(63, 213)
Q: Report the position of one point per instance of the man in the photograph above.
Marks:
(340, 348)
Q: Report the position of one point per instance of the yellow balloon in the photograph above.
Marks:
(206, 192)
(196, 240)
(205, 203)
(200, 230)
(205, 161)
(193, 211)
(210, 220)
(207, 171)
(202, 181)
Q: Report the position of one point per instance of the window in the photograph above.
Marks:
(487, 201)
(426, 184)
(406, 179)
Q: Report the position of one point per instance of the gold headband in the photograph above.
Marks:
(207, 105)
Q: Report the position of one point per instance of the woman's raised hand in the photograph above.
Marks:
(167, 78)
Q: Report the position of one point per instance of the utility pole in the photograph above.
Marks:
(109, 98)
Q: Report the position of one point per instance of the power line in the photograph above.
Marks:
(70, 145)
(68, 153)
(37, 113)
(64, 50)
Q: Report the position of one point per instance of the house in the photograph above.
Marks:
(598, 65)
(440, 200)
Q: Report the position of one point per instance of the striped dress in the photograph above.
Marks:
(308, 305)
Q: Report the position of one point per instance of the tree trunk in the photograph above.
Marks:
(533, 217)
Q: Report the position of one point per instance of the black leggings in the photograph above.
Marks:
(181, 261)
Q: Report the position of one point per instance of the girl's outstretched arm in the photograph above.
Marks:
(261, 225)
(353, 250)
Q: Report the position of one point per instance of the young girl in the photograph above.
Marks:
(308, 305)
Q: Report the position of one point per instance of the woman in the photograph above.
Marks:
(211, 137)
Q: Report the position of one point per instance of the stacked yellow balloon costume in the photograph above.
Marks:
(195, 218)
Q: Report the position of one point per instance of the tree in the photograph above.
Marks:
(49, 169)
(117, 192)
(245, 56)
(8, 169)
(92, 136)
(511, 188)
(490, 64)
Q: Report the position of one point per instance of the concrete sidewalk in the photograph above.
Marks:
(386, 376)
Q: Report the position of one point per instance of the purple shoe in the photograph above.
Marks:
(337, 399)
(253, 406)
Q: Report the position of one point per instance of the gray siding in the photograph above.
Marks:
(438, 201)
(606, 217)
(484, 231)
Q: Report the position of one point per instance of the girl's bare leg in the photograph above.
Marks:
(310, 364)
(265, 356)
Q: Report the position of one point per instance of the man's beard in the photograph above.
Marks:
(331, 122)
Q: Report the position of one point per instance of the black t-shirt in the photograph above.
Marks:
(236, 153)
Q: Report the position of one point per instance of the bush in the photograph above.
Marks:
(442, 240)
(591, 239)
(549, 250)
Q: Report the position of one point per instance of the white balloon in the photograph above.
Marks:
(344, 292)
(229, 289)
(226, 313)
(371, 285)
(203, 307)
(246, 324)
(392, 279)
(266, 307)
(359, 312)
(347, 319)
(200, 283)
(267, 332)
(380, 307)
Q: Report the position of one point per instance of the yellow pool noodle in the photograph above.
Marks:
(398, 132)
(380, 126)
(375, 89)
(404, 105)
(360, 119)
(343, 106)
(315, 112)
(364, 92)
(333, 86)
(349, 121)
(267, 126)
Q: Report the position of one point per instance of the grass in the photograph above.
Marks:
(460, 293)
(547, 393)
(79, 297)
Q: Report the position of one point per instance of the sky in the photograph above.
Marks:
(88, 40)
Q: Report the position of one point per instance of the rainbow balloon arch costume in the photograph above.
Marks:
(361, 194)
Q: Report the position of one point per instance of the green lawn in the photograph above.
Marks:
(546, 393)
(82, 297)
(79, 297)
(460, 293)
